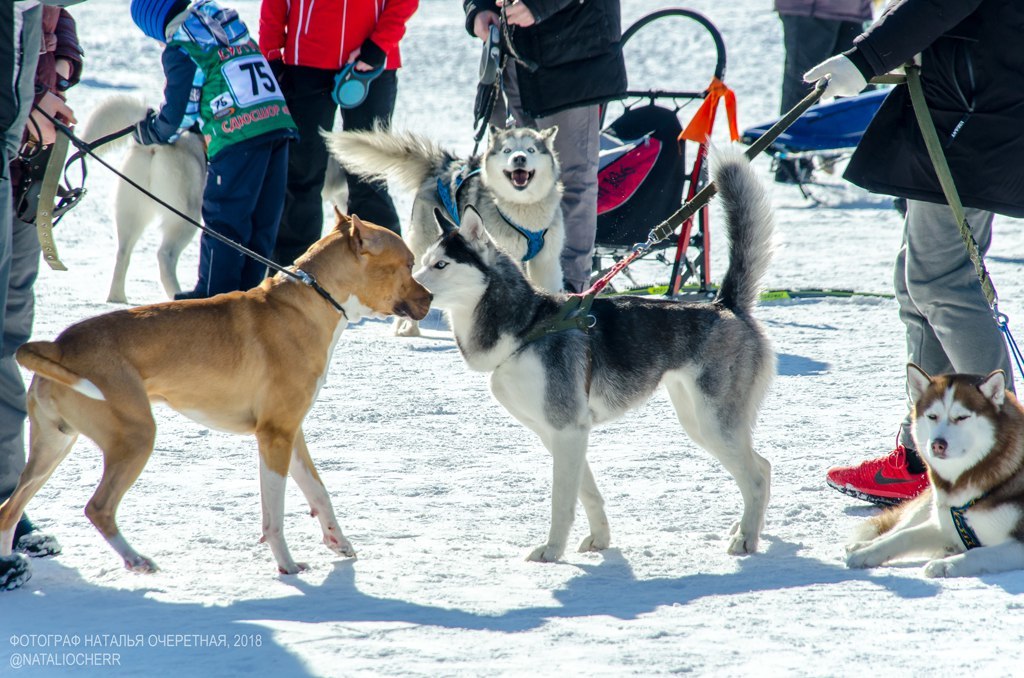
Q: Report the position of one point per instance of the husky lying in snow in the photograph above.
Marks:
(714, 359)
(514, 186)
(970, 431)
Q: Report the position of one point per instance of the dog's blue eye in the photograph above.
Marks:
(933, 417)
(506, 151)
(441, 264)
(964, 417)
(531, 150)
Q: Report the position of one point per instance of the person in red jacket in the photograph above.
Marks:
(307, 43)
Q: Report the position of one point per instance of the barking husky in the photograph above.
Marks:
(970, 430)
(176, 173)
(514, 186)
(714, 359)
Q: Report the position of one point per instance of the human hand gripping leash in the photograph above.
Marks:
(295, 273)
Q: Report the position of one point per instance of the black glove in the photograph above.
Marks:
(143, 132)
(277, 68)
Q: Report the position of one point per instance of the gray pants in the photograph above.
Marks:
(949, 324)
(19, 261)
(577, 145)
(809, 41)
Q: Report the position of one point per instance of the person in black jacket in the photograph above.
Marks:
(972, 72)
(569, 62)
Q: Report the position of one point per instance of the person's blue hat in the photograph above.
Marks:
(152, 15)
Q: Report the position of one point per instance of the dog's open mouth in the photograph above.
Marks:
(519, 178)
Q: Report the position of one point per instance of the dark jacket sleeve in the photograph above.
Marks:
(180, 71)
(474, 7)
(542, 9)
(906, 28)
(68, 46)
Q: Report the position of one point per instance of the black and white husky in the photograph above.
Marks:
(514, 186)
(714, 359)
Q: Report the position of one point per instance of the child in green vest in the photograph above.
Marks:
(218, 80)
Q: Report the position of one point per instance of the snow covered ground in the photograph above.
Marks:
(443, 494)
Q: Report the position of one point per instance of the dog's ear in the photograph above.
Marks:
(917, 381)
(443, 223)
(994, 388)
(472, 228)
(341, 219)
(363, 239)
(548, 135)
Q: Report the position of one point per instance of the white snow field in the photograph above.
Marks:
(443, 495)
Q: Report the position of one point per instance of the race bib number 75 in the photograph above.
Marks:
(250, 80)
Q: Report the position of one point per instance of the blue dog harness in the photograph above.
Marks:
(450, 201)
(534, 239)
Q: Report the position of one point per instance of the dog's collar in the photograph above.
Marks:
(534, 239)
(966, 533)
(310, 281)
(450, 199)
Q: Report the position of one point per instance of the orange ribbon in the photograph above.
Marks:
(699, 129)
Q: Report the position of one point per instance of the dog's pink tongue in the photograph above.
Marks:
(520, 177)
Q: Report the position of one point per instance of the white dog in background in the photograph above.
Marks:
(176, 173)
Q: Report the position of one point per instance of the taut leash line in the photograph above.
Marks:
(574, 312)
(945, 177)
(297, 274)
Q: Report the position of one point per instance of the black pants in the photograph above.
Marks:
(810, 41)
(242, 201)
(308, 92)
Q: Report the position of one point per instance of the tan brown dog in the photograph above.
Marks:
(244, 362)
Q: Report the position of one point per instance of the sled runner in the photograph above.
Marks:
(643, 176)
(820, 141)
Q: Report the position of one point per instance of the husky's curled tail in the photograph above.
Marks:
(113, 115)
(405, 158)
(749, 225)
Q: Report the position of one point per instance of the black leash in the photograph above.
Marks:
(498, 49)
(87, 149)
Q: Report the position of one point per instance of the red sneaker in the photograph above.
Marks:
(885, 480)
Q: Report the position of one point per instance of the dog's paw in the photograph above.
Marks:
(864, 558)
(545, 554)
(740, 543)
(141, 564)
(113, 298)
(940, 568)
(855, 546)
(405, 327)
(341, 546)
(595, 543)
(292, 568)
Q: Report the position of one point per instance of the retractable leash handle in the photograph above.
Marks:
(351, 87)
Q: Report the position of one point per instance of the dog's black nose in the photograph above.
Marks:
(518, 160)
(939, 447)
